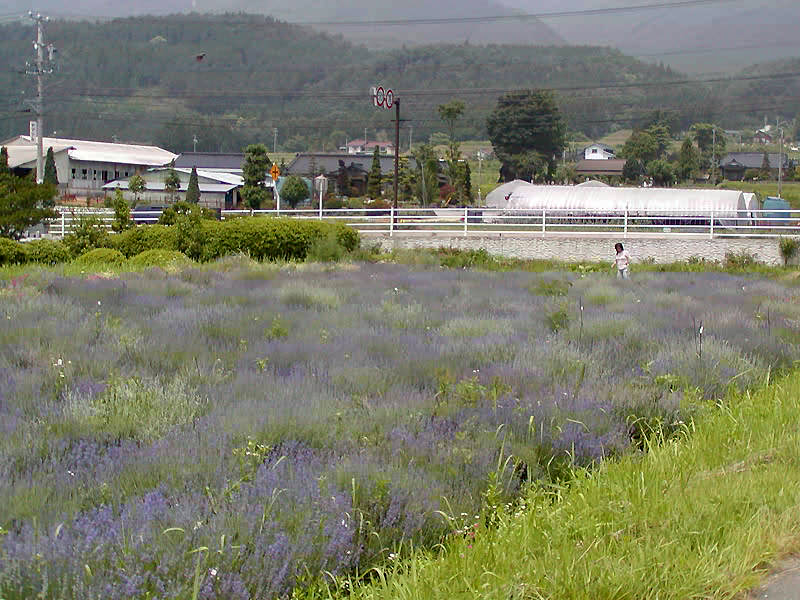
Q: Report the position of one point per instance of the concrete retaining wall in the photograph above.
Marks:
(584, 248)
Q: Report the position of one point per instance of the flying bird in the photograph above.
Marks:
(200, 57)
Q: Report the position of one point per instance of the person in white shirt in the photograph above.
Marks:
(623, 261)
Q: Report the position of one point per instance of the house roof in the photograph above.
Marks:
(25, 156)
(601, 146)
(159, 186)
(752, 160)
(612, 166)
(231, 162)
(105, 152)
(228, 178)
(331, 162)
(369, 144)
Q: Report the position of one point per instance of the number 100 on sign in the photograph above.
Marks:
(381, 97)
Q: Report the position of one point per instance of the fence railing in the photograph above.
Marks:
(466, 221)
(473, 221)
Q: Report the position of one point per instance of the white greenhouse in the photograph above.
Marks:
(594, 199)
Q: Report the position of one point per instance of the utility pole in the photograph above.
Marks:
(780, 162)
(713, 155)
(194, 143)
(396, 148)
(274, 140)
(38, 105)
(480, 164)
(410, 137)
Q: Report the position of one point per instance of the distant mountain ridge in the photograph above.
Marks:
(527, 31)
(704, 37)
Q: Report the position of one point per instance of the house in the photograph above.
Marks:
(84, 166)
(597, 152)
(365, 147)
(347, 173)
(215, 162)
(611, 167)
(763, 135)
(735, 164)
(217, 190)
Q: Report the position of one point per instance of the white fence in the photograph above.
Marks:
(466, 221)
(711, 224)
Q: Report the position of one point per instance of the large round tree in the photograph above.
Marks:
(528, 134)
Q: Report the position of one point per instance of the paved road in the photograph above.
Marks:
(783, 584)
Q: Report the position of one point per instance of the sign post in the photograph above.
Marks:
(384, 98)
(321, 183)
(275, 172)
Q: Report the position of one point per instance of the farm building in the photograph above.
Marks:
(601, 199)
(217, 190)
(84, 166)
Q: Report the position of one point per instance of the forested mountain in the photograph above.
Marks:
(420, 31)
(231, 79)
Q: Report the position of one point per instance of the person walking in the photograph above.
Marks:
(623, 262)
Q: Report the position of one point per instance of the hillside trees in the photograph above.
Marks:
(528, 133)
(254, 172)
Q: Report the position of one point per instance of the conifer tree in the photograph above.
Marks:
(50, 172)
(193, 189)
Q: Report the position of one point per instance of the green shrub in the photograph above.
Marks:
(170, 214)
(159, 258)
(144, 237)
(12, 252)
(48, 252)
(90, 232)
(101, 255)
(557, 320)
(739, 260)
(554, 287)
(327, 249)
(270, 238)
(464, 259)
(788, 247)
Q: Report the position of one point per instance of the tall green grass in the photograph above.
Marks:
(702, 514)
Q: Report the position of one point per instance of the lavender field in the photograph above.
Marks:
(237, 430)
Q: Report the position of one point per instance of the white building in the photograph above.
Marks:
(217, 190)
(598, 152)
(365, 147)
(84, 167)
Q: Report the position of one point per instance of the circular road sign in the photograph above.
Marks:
(380, 96)
(389, 99)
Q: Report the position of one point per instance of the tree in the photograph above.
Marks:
(122, 213)
(467, 182)
(527, 132)
(688, 160)
(641, 145)
(22, 203)
(136, 185)
(450, 113)
(254, 171)
(661, 136)
(50, 172)
(193, 189)
(4, 160)
(294, 190)
(661, 172)
(427, 174)
(711, 142)
(565, 174)
(172, 183)
(374, 177)
(632, 170)
(765, 168)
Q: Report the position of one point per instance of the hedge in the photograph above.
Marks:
(48, 252)
(159, 258)
(12, 252)
(101, 255)
(144, 237)
(270, 238)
